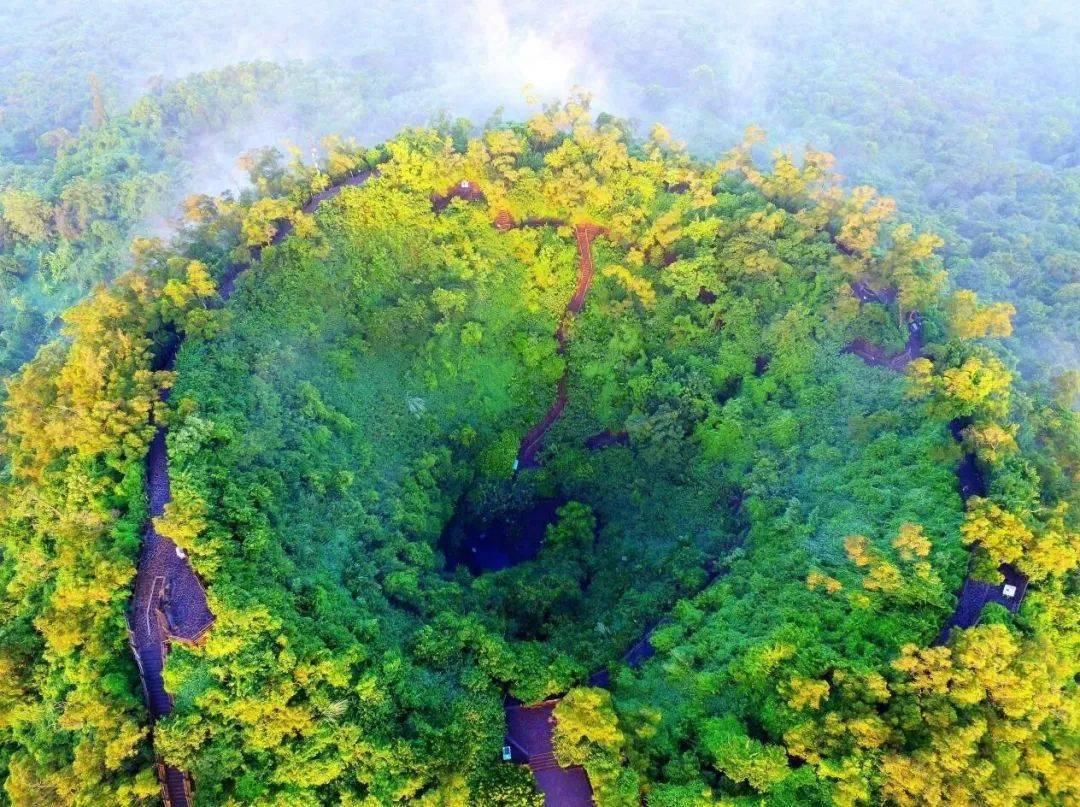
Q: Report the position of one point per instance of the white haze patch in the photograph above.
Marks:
(888, 86)
(507, 58)
(482, 59)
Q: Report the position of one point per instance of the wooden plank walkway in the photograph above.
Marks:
(530, 728)
(974, 595)
(168, 602)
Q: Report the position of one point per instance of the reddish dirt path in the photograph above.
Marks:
(529, 727)
(876, 355)
(168, 603)
(531, 442)
(534, 437)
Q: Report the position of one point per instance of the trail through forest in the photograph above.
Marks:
(530, 728)
(169, 603)
(875, 354)
(974, 594)
(531, 442)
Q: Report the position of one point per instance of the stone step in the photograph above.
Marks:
(175, 787)
(543, 762)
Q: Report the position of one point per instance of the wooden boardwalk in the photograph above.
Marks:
(169, 603)
(530, 729)
(974, 595)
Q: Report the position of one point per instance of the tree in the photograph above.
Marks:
(990, 442)
(587, 733)
(26, 214)
(263, 219)
(992, 723)
(969, 320)
(98, 115)
(575, 529)
(976, 387)
(742, 758)
(999, 533)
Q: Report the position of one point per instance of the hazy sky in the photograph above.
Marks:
(930, 100)
(699, 64)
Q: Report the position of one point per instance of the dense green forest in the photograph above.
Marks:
(786, 354)
(69, 216)
(72, 208)
(789, 512)
(964, 112)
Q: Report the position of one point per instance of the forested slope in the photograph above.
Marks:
(966, 113)
(346, 426)
(71, 207)
(69, 214)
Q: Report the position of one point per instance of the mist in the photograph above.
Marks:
(705, 69)
(534, 461)
(947, 107)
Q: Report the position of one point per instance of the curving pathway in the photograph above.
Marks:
(531, 442)
(169, 603)
(529, 727)
(876, 355)
(974, 594)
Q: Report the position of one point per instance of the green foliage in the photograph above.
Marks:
(77, 423)
(68, 216)
(587, 734)
(741, 758)
(791, 511)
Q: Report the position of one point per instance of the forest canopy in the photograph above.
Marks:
(358, 399)
(778, 512)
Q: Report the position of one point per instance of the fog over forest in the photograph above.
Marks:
(533, 403)
(967, 112)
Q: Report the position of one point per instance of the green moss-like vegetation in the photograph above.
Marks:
(785, 516)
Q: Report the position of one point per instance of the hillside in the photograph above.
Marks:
(712, 455)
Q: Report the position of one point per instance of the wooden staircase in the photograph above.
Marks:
(159, 701)
(543, 762)
(175, 786)
(504, 221)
